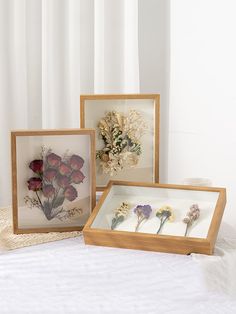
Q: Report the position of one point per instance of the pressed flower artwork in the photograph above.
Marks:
(54, 185)
(156, 217)
(122, 140)
(55, 181)
(127, 136)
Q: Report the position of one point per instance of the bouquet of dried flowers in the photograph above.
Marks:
(191, 217)
(120, 215)
(121, 135)
(54, 181)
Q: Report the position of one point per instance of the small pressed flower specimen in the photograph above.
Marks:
(143, 212)
(120, 215)
(54, 182)
(165, 213)
(191, 217)
(121, 135)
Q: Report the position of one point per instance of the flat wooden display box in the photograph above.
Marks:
(172, 237)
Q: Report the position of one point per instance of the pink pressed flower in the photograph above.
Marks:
(77, 176)
(48, 191)
(36, 166)
(53, 160)
(76, 162)
(50, 174)
(70, 193)
(34, 184)
(63, 181)
(64, 169)
(191, 217)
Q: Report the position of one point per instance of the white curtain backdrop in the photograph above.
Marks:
(51, 51)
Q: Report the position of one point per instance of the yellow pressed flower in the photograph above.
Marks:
(164, 213)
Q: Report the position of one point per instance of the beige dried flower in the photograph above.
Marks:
(121, 135)
(120, 214)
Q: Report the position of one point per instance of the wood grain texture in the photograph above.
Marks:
(156, 242)
(156, 99)
(62, 132)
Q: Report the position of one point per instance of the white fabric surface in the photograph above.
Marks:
(219, 269)
(70, 277)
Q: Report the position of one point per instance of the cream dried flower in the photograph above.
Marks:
(121, 135)
(121, 213)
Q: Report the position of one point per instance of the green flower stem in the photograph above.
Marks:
(39, 201)
(186, 230)
(162, 224)
(139, 222)
(57, 213)
(55, 197)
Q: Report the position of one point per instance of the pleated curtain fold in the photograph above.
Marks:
(51, 51)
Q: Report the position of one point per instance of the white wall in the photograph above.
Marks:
(202, 131)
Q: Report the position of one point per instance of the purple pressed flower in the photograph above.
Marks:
(36, 166)
(50, 174)
(34, 184)
(64, 169)
(48, 190)
(62, 181)
(143, 212)
(53, 160)
(77, 176)
(76, 162)
(70, 193)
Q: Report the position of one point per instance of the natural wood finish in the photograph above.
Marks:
(156, 99)
(14, 135)
(156, 242)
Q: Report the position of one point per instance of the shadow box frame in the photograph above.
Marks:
(156, 126)
(45, 133)
(156, 242)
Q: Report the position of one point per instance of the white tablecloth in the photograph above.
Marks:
(70, 277)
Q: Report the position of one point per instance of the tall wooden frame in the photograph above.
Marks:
(127, 97)
(16, 163)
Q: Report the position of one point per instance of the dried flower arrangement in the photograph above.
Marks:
(120, 215)
(121, 135)
(54, 182)
(165, 213)
(191, 217)
(143, 212)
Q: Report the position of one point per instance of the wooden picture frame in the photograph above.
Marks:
(53, 179)
(144, 165)
(200, 239)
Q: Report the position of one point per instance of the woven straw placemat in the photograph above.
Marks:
(11, 241)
